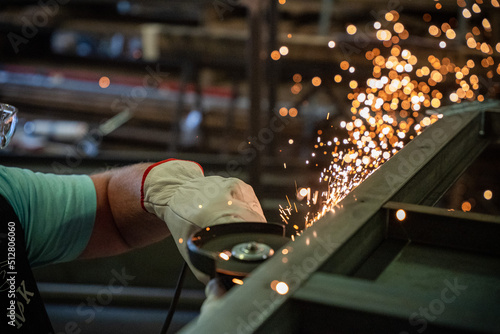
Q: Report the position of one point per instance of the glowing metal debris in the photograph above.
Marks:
(389, 107)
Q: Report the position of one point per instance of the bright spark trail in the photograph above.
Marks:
(388, 109)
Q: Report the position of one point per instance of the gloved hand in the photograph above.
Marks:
(177, 192)
(214, 290)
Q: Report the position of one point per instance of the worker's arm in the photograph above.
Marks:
(121, 224)
(142, 204)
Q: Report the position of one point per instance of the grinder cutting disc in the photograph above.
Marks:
(234, 249)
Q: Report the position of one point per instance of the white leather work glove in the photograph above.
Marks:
(177, 192)
(214, 290)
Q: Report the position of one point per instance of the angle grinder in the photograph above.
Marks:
(231, 251)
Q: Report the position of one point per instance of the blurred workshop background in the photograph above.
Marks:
(243, 87)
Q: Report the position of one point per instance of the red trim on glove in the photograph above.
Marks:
(146, 172)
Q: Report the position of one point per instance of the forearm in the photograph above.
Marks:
(121, 224)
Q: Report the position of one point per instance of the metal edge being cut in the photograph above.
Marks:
(319, 242)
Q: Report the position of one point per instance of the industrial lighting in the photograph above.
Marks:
(104, 82)
(283, 51)
(488, 194)
(316, 81)
(351, 29)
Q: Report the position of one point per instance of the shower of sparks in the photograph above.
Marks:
(387, 109)
(401, 214)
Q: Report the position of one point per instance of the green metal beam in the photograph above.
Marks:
(470, 231)
(332, 303)
(419, 166)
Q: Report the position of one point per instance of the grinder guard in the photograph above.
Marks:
(212, 250)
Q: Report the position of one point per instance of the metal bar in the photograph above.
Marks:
(465, 108)
(255, 301)
(387, 252)
(273, 67)
(59, 293)
(255, 72)
(458, 144)
(230, 114)
(382, 308)
(356, 249)
(186, 76)
(324, 18)
(436, 226)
